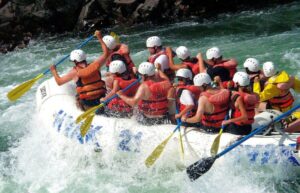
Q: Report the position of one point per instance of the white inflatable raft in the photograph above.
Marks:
(57, 107)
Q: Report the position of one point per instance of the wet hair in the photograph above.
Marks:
(118, 57)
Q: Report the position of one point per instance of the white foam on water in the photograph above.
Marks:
(46, 161)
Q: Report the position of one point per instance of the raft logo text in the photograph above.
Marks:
(43, 92)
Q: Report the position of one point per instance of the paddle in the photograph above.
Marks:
(200, 167)
(180, 137)
(159, 149)
(114, 35)
(89, 114)
(215, 146)
(20, 90)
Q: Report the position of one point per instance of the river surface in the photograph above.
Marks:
(30, 161)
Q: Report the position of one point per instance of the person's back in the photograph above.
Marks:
(187, 61)
(158, 56)
(89, 85)
(277, 88)
(186, 94)
(243, 104)
(216, 66)
(122, 79)
(213, 104)
(118, 51)
(156, 106)
(151, 96)
(218, 100)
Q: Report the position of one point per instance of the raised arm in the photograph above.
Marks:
(202, 68)
(63, 79)
(171, 61)
(105, 50)
(97, 64)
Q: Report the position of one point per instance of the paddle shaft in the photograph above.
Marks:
(65, 57)
(257, 131)
(124, 90)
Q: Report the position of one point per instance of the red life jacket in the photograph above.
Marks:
(169, 72)
(124, 54)
(220, 101)
(196, 93)
(117, 104)
(157, 104)
(230, 65)
(192, 65)
(250, 101)
(91, 87)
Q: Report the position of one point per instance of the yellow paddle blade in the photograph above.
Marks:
(181, 145)
(156, 152)
(88, 112)
(215, 146)
(20, 90)
(86, 125)
(114, 35)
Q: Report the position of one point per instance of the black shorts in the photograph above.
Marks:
(238, 129)
(211, 129)
(185, 124)
(90, 103)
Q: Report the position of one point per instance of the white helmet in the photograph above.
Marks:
(269, 69)
(184, 73)
(77, 55)
(153, 41)
(146, 68)
(242, 78)
(117, 66)
(213, 52)
(183, 52)
(202, 78)
(110, 42)
(252, 64)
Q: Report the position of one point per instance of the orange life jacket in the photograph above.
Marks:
(90, 87)
(192, 65)
(283, 102)
(117, 104)
(169, 72)
(157, 104)
(194, 90)
(250, 101)
(128, 61)
(220, 101)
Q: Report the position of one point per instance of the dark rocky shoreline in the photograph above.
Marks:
(21, 20)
